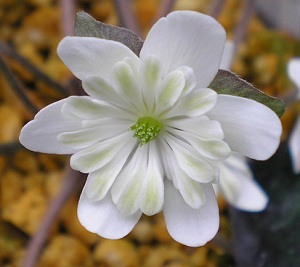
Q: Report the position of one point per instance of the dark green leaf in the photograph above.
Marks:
(87, 26)
(229, 83)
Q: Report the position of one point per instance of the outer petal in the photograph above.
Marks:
(41, 133)
(86, 56)
(191, 227)
(239, 187)
(102, 217)
(187, 38)
(294, 146)
(249, 127)
(227, 56)
(294, 71)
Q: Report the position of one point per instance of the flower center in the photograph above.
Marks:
(146, 129)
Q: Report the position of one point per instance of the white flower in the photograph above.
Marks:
(151, 134)
(294, 140)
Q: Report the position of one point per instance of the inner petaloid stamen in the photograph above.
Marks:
(146, 129)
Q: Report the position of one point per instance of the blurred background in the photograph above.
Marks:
(36, 202)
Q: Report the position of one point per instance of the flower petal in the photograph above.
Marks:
(125, 189)
(102, 217)
(127, 86)
(86, 56)
(195, 167)
(197, 103)
(294, 146)
(87, 108)
(169, 91)
(41, 133)
(103, 90)
(249, 127)
(212, 148)
(187, 38)
(200, 126)
(294, 71)
(151, 195)
(227, 56)
(191, 227)
(100, 181)
(96, 156)
(239, 187)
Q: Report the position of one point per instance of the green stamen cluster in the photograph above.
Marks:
(146, 129)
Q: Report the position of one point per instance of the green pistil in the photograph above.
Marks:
(146, 129)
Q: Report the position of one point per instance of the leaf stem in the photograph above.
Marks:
(73, 181)
(8, 51)
(164, 9)
(67, 9)
(17, 87)
(126, 17)
(216, 8)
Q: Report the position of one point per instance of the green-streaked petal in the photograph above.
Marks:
(96, 156)
(200, 126)
(193, 165)
(150, 77)
(127, 85)
(190, 190)
(87, 108)
(87, 137)
(169, 91)
(213, 149)
(100, 181)
(126, 187)
(197, 103)
(151, 196)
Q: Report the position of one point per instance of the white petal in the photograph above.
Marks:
(227, 56)
(127, 86)
(126, 188)
(190, 190)
(150, 77)
(41, 133)
(197, 103)
(249, 127)
(102, 89)
(87, 108)
(191, 227)
(96, 156)
(211, 148)
(200, 126)
(169, 91)
(294, 146)
(192, 164)
(294, 71)
(102, 217)
(239, 187)
(90, 136)
(100, 181)
(151, 195)
(190, 79)
(187, 38)
(86, 56)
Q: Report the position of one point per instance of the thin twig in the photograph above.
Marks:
(126, 17)
(9, 147)
(67, 8)
(216, 8)
(164, 9)
(17, 87)
(73, 181)
(242, 27)
(8, 51)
